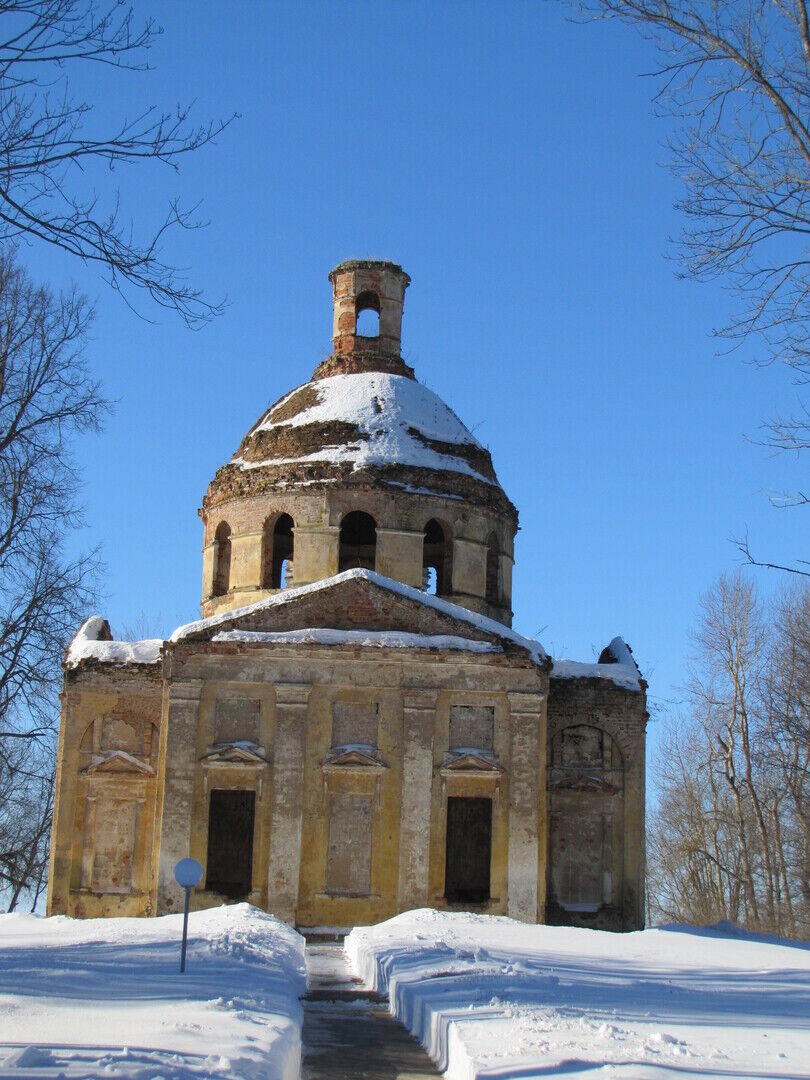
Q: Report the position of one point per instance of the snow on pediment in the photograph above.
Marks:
(355, 755)
(235, 753)
(470, 760)
(273, 615)
(119, 762)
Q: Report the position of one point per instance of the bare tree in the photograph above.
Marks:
(736, 75)
(51, 145)
(47, 397)
(730, 838)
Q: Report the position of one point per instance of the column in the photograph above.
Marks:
(417, 776)
(527, 803)
(287, 799)
(399, 555)
(175, 798)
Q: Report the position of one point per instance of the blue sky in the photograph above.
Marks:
(513, 166)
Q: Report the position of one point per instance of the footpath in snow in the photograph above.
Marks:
(105, 997)
(492, 998)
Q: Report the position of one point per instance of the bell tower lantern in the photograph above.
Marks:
(363, 284)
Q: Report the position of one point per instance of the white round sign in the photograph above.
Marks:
(188, 873)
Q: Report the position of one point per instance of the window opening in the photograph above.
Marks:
(436, 560)
(358, 541)
(368, 324)
(469, 850)
(277, 561)
(367, 315)
(222, 559)
(230, 843)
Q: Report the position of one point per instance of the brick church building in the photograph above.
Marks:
(353, 728)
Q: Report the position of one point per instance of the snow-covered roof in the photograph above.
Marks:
(390, 639)
(287, 596)
(369, 418)
(93, 642)
(621, 670)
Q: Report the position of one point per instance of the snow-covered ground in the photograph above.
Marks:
(489, 997)
(105, 997)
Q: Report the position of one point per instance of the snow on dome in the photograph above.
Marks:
(367, 418)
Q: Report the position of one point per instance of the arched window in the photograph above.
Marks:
(493, 593)
(437, 559)
(222, 559)
(277, 553)
(358, 541)
(367, 315)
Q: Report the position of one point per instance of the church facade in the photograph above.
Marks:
(353, 728)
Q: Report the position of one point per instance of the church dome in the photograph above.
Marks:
(362, 436)
(362, 417)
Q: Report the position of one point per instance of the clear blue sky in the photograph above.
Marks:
(513, 166)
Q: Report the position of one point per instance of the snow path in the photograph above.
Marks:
(348, 1031)
(105, 998)
(492, 998)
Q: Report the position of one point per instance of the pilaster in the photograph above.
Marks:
(176, 785)
(292, 702)
(527, 802)
(419, 712)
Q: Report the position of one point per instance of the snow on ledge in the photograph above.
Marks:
(623, 671)
(287, 596)
(392, 639)
(93, 642)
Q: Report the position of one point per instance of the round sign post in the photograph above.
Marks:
(187, 874)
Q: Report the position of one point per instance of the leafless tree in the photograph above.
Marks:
(736, 75)
(731, 838)
(52, 146)
(47, 397)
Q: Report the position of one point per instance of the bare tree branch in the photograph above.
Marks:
(49, 152)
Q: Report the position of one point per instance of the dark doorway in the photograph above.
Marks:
(469, 850)
(230, 843)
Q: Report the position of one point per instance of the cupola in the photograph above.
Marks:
(362, 466)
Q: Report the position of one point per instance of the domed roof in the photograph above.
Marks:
(362, 418)
(371, 418)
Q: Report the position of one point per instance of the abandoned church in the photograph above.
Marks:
(353, 728)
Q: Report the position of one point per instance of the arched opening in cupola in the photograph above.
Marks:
(367, 315)
(277, 552)
(358, 542)
(222, 559)
(493, 586)
(437, 568)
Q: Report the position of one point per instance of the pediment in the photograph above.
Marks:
(235, 753)
(467, 761)
(119, 762)
(584, 783)
(355, 601)
(364, 757)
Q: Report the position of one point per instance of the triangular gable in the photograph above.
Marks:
(360, 600)
(469, 761)
(119, 761)
(234, 754)
(360, 756)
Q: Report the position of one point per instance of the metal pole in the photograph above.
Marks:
(185, 930)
